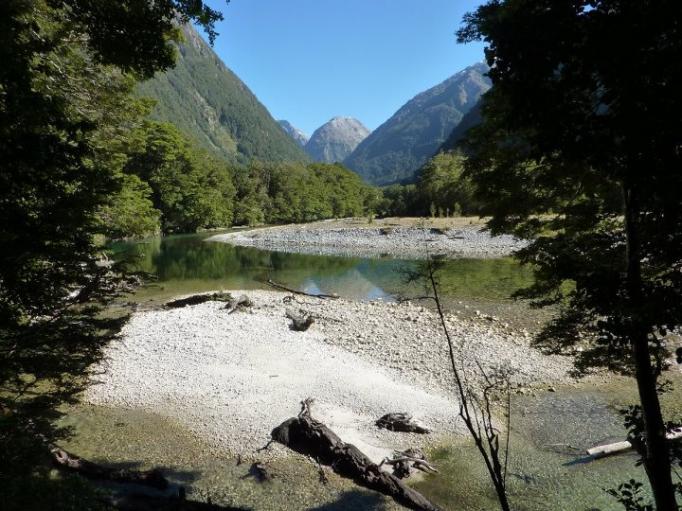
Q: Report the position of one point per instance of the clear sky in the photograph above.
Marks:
(311, 60)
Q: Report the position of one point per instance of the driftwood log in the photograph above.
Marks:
(401, 422)
(404, 461)
(300, 321)
(198, 299)
(307, 436)
(241, 302)
(152, 478)
(274, 284)
(602, 451)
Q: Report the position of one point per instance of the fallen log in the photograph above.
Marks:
(274, 284)
(602, 451)
(307, 436)
(152, 478)
(198, 299)
(299, 322)
(401, 422)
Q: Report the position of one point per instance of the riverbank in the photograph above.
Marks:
(393, 237)
(231, 378)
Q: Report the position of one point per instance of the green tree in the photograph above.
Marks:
(189, 189)
(583, 122)
(442, 183)
(130, 212)
(65, 112)
(57, 101)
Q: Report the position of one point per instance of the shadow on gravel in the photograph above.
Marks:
(354, 500)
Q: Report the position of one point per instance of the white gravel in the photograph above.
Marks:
(405, 242)
(231, 378)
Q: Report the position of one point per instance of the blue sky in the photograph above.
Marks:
(310, 60)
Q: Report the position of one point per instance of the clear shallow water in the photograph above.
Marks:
(185, 264)
(550, 430)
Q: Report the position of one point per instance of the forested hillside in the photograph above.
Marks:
(399, 147)
(210, 104)
(169, 185)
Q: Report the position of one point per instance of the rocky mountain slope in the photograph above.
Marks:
(396, 150)
(210, 104)
(471, 119)
(336, 140)
(299, 137)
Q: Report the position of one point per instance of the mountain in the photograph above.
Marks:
(471, 119)
(398, 148)
(299, 137)
(211, 105)
(336, 140)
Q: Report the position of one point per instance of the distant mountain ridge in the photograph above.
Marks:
(210, 104)
(299, 137)
(335, 140)
(396, 150)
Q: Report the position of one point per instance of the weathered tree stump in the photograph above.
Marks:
(401, 422)
(307, 436)
(300, 322)
(198, 299)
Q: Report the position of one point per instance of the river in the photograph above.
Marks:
(550, 430)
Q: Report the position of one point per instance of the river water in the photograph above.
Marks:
(550, 430)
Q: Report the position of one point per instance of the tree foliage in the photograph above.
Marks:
(66, 120)
(189, 189)
(579, 150)
(296, 192)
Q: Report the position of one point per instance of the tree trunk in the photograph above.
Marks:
(656, 455)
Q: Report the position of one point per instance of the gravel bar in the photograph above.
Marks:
(399, 242)
(232, 377)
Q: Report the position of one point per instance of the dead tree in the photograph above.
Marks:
(476, 399)
(307, 436)
(323, 296)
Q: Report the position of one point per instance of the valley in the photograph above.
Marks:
(315, 255)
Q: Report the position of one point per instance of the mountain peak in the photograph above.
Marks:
(335, 140)
(398, 148)
(299, 137)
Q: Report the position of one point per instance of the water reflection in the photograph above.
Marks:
(191, 264)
